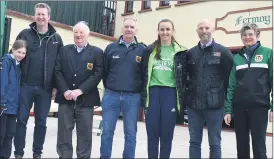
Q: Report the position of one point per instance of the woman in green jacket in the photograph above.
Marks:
(248, 93)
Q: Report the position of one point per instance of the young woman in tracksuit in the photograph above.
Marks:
(165, 69)
(248, 94)
(10, 89)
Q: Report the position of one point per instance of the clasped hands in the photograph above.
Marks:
(72, 94)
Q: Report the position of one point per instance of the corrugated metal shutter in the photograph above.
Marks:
(70, 12)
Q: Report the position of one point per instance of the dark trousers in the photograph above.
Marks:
(254, 119)
(160, 120)
(196, 121)
(7, 131)
(42, 100)
(68, 116)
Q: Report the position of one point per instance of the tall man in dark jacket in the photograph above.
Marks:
(78, 70)
(122, 79)
(37, 79)
(209, 65)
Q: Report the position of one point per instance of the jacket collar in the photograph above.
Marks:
(51, 28)
(79, 49)
(207, 46)
(12, 56)
(242, 51)
(121, 41)
(177, 48)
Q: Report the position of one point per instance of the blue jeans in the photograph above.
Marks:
(196, 121)
(112, 104)
(42, 100)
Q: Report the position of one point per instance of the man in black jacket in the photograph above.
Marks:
(37, 81)
(78, 70)
(209, 65)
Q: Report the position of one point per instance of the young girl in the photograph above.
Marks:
(10, 89)
(164, 64)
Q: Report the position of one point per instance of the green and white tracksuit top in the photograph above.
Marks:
(250, 83)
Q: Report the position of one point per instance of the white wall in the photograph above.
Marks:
(185, 19)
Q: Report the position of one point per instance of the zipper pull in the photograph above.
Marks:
(2, 110)
(180, 65)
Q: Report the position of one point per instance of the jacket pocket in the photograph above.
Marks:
(214, 66)
(215, 98)
(214, 61)
(89, 67)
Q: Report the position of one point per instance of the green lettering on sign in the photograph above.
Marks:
(260, 19)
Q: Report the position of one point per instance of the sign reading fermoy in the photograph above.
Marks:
(233, 21)
(265, 19)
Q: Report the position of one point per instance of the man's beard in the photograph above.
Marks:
(205, 38)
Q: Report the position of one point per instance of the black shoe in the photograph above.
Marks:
(36, 156)
(18, 157)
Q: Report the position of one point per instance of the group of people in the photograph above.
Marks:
(164, 77)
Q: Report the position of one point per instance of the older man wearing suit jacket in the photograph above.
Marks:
(78, 71)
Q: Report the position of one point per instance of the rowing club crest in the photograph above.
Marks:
(89, 66)
(138, 59)
(258, 58)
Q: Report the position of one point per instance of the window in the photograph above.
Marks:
(129, 6)
(183, 1)
(146, 5)
(164, 3)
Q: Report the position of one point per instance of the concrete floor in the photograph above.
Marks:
(179, 150)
